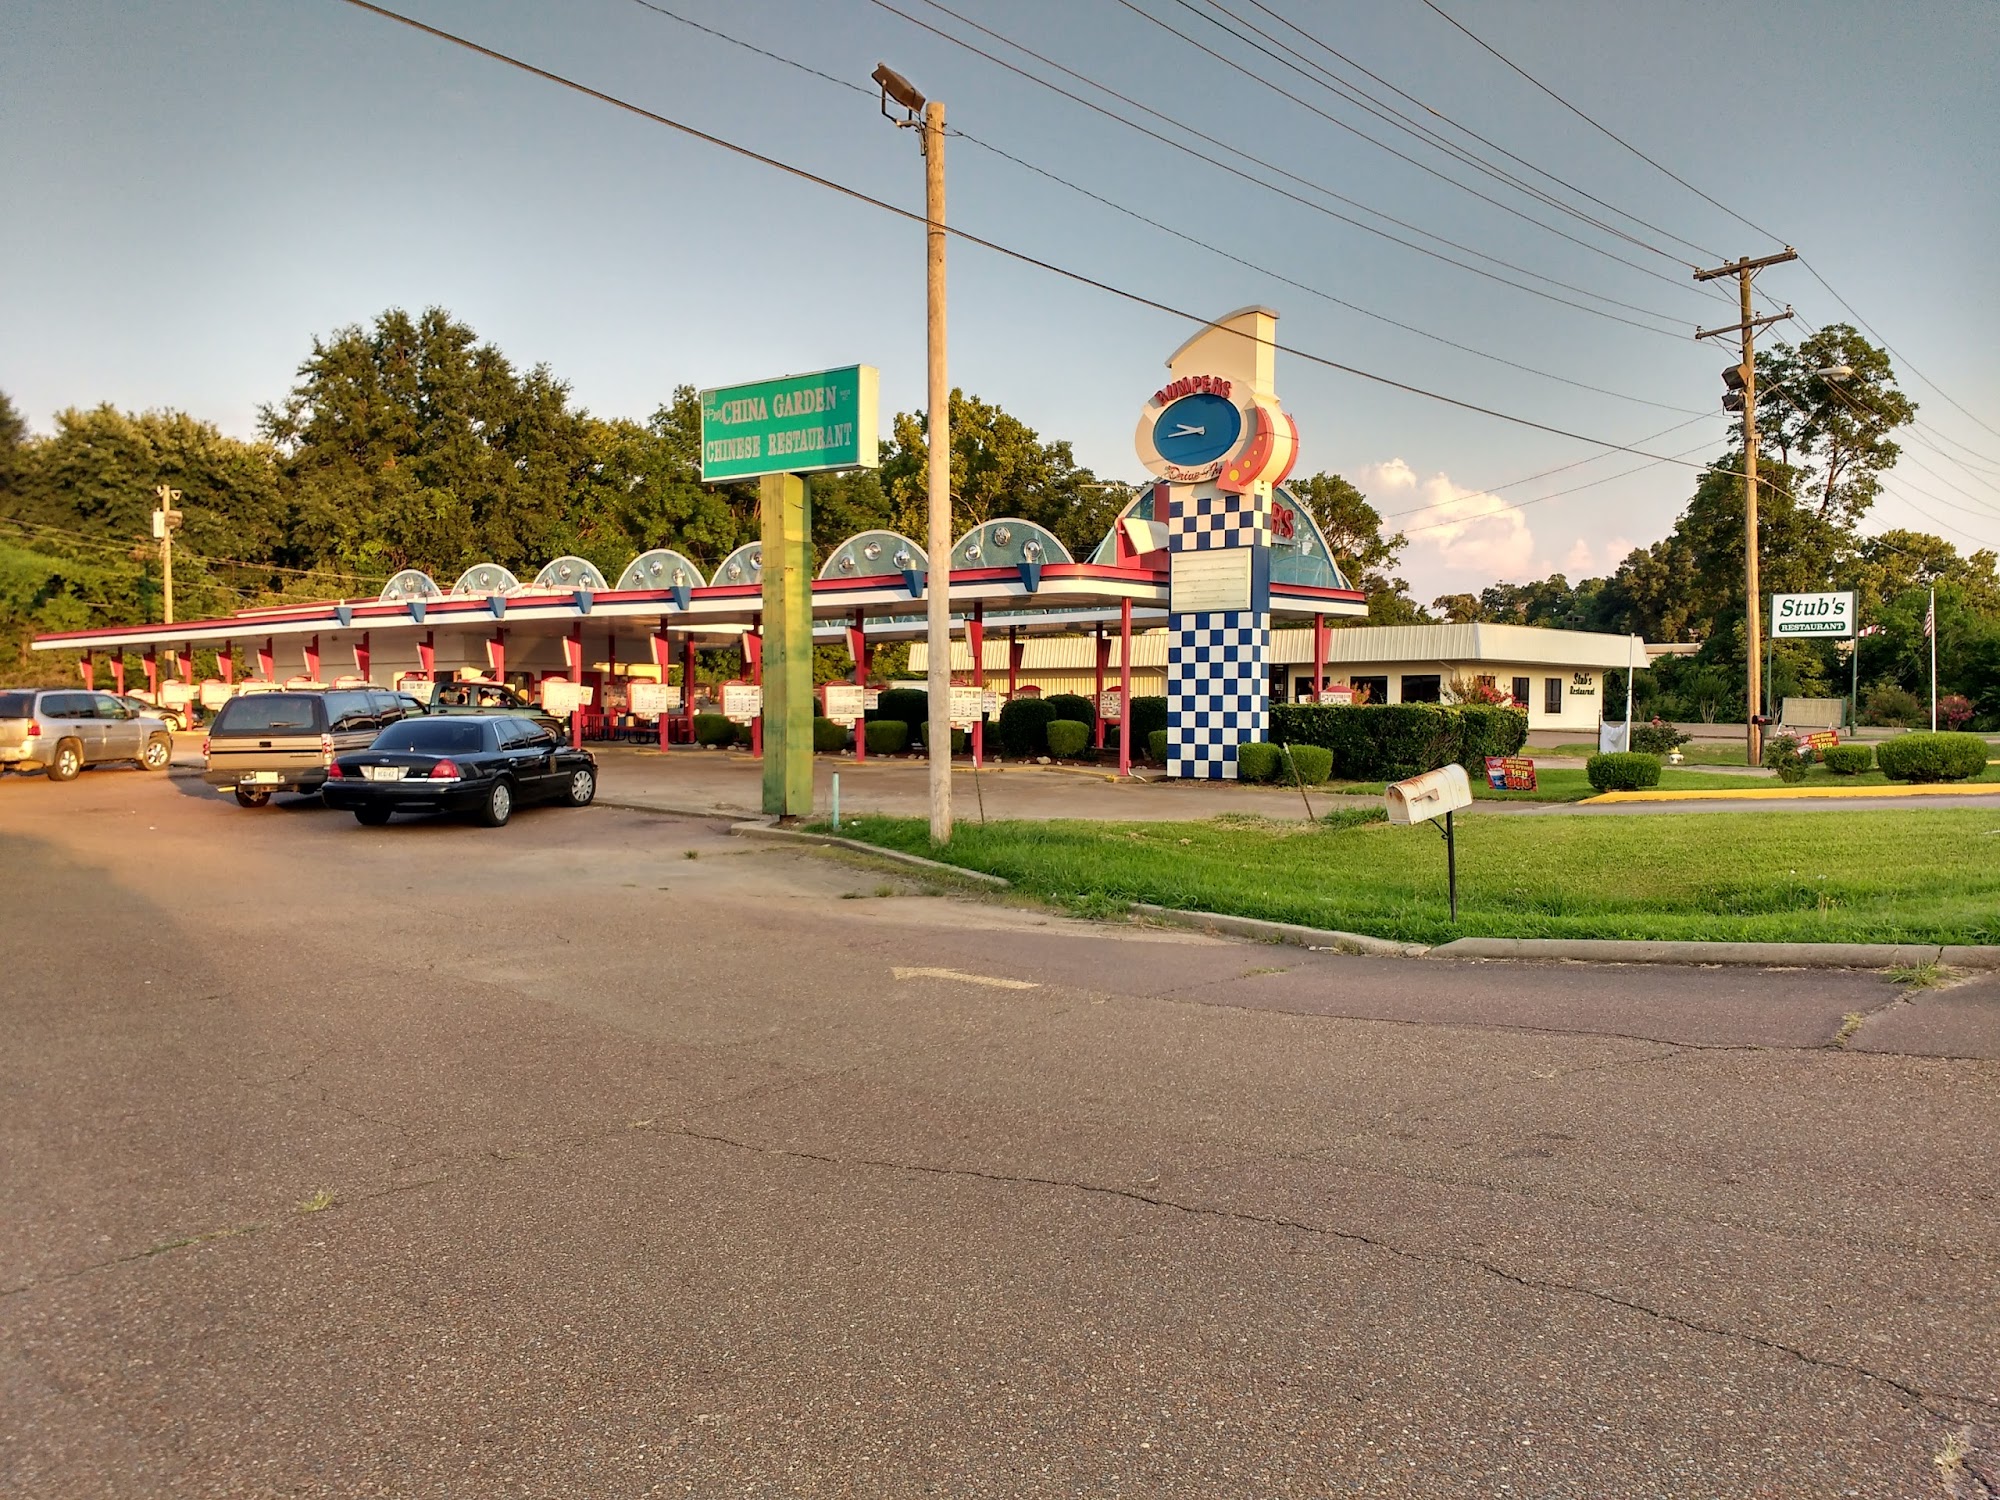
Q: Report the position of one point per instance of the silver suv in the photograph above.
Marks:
(64, 731)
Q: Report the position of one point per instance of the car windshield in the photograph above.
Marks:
(17, 705)
(263, 712)
(432, 737)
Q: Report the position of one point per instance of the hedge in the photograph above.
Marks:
(1156, 746)
(1072, 706)
(887, 736)
(829, 737)
(1067, 737)
(961, 739)
(1931, 757)
(714, 729)
(1847, 760)
(1788, 755)
(1312, 763)
(911, 706)
(1024, 727)
(1257, 762)
(1148, 715)
(1623, 771)
(1391, 741)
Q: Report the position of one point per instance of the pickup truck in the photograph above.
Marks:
(478, 697)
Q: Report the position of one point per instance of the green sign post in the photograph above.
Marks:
(797, 424)
(776, 432)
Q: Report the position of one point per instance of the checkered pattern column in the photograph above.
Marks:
(1218, 663)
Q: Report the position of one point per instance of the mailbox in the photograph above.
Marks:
(1431, 795)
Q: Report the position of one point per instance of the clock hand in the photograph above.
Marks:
(1183, 430)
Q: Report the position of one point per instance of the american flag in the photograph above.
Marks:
(1930, 618)
(1868, 630)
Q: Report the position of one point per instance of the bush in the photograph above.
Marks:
(1312, 763)
(1024, 726)
(1789, 756)
(1489, 729)
(1148, 715)
(1067, 738)
(1657, 738)
(1156, 746)
(829, 737)
(1072, 706)
(961, 739)
(1847, 760)
(887, 736)
(1892, 705)
(910, 706)
(1623, 771)
(1385, 742)
(1954, 710)
(714, 729)
(1256, 762)
(1931, 757)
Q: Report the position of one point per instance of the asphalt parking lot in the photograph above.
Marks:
(608, 1155)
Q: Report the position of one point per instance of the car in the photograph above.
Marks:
(475, 695)
(176, 719)
(484, 764)
(284, 741)
(64, 730)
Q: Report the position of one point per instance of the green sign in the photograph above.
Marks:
(796, 424)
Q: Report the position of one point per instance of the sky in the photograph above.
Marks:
(196, 191)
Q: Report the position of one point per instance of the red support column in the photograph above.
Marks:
(312, 659)
(1319, 657)
(663, 658)
(857, 647)
(225, 663)
(975, 637)
(1097, 699)
(687, 686)
(1125, 687)
(186, 659)
(267, 660)
(153, 674)
(361, 657)
(118, 673)
(427, 655)
(87, 670)
(753, 658)
(496, 655)
(573, 650)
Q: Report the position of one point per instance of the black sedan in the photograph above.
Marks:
(482, 764)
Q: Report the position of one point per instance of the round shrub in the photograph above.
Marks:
(1623, 771)
(1789, 756)
(1067, 738)
(829, 737)
(1148, 714)
(961, 740)
(1489, 729)
(1024, 726)
(714, 729)
(887, 737)
(911, 706)
(1657, 738)
(1156, 746)
(1072, 706)
(1931, 757)
(1258, 762)
(1312, 763)
(1847, 760)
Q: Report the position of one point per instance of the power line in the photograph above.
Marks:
(1138, 299)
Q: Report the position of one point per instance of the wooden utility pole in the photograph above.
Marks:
(165, 519)
(938, 439)
(1744, 384)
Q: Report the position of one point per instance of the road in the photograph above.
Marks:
(607, 1155)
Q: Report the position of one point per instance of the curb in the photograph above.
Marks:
(673, 810)
(1777, 794)
(756, 830)
(1755, 955)
(1279, 932)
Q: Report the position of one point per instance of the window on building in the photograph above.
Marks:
(1423, 688)
(1523, 688)
(1552, 695)
(1371, 689)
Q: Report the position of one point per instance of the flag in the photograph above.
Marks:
(1868, 630)
(1930, 620)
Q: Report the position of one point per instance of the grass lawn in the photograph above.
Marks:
(1875, 876)
(1556, 784)
(1694, 753)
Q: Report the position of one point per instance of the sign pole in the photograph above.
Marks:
(1451, 865)
(938, 439)
(787, 645)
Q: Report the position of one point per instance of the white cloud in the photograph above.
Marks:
(1468, 531)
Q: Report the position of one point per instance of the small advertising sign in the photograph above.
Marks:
(1111, 706)
(423, 689)
(742, 701)
(844, 702)
(651, 699)
(176, 694)
(1510, 773)
(1343, 696)
(1829, 616)
(1822, 739)
(562, 697)
(214, 694)
(967, 703)
(872, 698)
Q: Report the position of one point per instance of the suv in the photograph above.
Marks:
(262, 743)
(65, 731)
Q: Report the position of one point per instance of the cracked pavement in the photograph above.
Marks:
(550, 1161)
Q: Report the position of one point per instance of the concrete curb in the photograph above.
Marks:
(1756, 955)
(1279, 932)
(757, 830)
(673, 810)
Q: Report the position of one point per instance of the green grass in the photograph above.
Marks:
(1694, 753)
(1876, 876)
(1557, 784)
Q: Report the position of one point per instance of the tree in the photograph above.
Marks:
(1834, 430)
(1353, 531)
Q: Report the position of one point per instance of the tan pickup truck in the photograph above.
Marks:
(262, 743)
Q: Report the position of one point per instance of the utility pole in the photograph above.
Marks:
(165, 519)
(937, 586)
(1741, 394)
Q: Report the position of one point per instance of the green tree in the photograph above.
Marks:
(1353, 531)
(1834, 429)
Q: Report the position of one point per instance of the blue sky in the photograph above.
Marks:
(195, 190)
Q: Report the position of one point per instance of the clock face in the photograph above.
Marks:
(1197, 430)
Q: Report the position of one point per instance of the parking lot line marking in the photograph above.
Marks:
(991, 980)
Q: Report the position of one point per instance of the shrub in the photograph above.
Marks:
(1889, 704)
(1381, 743)
(829, 737)
(1931, 757)
(1067, 738)
(910, 706)
(961, 739)
(1156, 746)
(1148, 715)
(714, 729)
(1623, 771)
(1657, 738)
(1312, 763)
(887, 736)
(1255, 762)
(1847, 760)
(1489, 729)
(1072, 706)
(1024, 726)
(1954, 710)
(1789, 756)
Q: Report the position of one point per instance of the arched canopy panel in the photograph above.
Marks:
(875, 554)
(1007, 543)
(572, 573)
(744, 565)
(1140, 509)
(411, 583)
(1303, 556)
(661, 568)
(483, 580)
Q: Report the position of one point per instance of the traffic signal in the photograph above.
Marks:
(1733, 381)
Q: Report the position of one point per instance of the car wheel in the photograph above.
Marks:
(582, 787)
(159, 751)
(68, 761)
(371, 817)
(499, 805)
(247, 798)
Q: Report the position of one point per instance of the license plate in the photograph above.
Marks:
(264, 776)
(382, 773)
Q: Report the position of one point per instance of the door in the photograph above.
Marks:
(74, 716)
(532, 753)
(124, 738)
